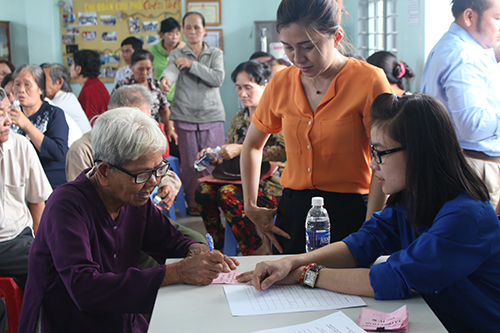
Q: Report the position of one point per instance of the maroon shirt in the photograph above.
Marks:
(82, 264)
(94, 98)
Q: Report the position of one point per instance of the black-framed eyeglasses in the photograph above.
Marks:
(377, 154)
(144, 176)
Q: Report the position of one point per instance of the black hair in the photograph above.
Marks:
(436, 169)
(169, 24)
(9, 64)
(479, 6)
(38, 76)
(321, 16)
(89, 61)
(394, 70)
(141, 55)
(283, 62)
(6, 79)
(259, 72)
(259, 54)
(136, 43)
(194, 13)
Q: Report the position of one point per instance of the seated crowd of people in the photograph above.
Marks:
(413, 176)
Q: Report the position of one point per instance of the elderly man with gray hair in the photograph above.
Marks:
(24, 187)
(79, 156)
(58, 86)
(82, 273)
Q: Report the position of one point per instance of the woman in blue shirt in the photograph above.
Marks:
(441, 233)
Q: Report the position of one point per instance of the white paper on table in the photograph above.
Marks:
(245, 300)
(337, 322)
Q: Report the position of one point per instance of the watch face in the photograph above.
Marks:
(310, 278)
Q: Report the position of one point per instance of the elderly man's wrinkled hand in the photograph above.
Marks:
(202, 268)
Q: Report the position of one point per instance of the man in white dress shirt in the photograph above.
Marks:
(128, 46)
(22, 181)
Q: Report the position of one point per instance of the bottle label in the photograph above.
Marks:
(317, 239)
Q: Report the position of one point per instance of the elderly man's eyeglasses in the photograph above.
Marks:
(377, 154)
(144, 176)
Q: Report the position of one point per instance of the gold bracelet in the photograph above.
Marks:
(171, 128)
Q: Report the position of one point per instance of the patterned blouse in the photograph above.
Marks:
(160, 99)
(274, 150)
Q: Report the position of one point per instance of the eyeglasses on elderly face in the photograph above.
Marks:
(144, 176)
(377, 154)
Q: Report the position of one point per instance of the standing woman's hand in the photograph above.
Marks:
(263, 219)
(182, 63)
(165, 85)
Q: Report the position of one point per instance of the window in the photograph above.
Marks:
(377, 26)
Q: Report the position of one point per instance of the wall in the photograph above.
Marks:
(15, 13)
(35, 33)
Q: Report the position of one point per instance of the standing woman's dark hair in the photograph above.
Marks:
(169, 24)
(259, 72)
(141, 55)
(321, 16)
(394, 70)
(436, 170)
(89, 61)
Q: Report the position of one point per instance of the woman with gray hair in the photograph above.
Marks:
(82, 265)
(58, 86)
(43, 124)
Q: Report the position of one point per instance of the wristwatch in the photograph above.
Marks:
(310, 275)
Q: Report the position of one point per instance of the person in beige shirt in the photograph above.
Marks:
(22, 181)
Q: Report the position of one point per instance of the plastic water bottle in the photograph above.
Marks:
(208, 158)
(157, 200)
(317, 225)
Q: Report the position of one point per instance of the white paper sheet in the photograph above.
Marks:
(337, 322)
(245, 300)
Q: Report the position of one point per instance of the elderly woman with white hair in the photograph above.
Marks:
(43, 124)
(82, 274)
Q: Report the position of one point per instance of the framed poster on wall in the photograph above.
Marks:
(213, 37)
(210, 10)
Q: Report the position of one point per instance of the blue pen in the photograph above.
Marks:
(210, 242)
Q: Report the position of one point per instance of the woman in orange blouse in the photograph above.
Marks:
(322, 105)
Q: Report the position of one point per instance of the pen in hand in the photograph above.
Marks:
(210, 242)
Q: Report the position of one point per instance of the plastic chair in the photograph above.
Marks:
(13, 296)
(230, 243)
(179, 201)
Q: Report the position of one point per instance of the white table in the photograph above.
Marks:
(184, 308)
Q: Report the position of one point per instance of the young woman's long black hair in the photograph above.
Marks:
(436, 169)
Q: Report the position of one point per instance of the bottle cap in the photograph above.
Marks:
(317, 201)
(156, 200)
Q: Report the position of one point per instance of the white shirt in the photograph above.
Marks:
(75, 132)
(123, 73)
(68, 102)
(21, 179)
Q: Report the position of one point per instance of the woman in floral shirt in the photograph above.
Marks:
(250, 78)
(142, 66)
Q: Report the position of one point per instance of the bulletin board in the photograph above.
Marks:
(102, 25)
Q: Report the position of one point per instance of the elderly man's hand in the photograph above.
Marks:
(200, 267)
